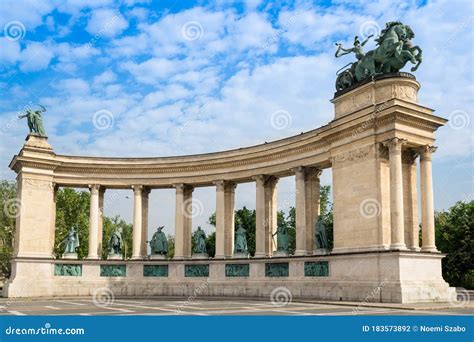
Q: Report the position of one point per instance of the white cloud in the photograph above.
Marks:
(10, 51)
(106, 22)
(107, 76)
(36, 56)
(74, 86)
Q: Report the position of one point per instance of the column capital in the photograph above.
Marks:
(409, 156)
(230, 186)
(426, 151)
(94, 188)
(260, 179)
(137, 188)
(313, 173)
(394, 145)
(220, 184)
(183, 187)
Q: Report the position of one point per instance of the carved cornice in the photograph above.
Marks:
(353, 156)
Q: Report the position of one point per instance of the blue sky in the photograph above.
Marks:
(160, 78)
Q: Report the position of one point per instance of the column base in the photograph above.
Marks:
(200, 256)
(243, 256)
(70, 256)
(415, 249)
(430, 249)
(398, 247)
(158, 257)
(280, 254)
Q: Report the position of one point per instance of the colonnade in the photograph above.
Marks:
(307, 208)
(397, 189)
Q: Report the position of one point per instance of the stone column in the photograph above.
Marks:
(396, 193)
(427, 203)
(313, 187)
(188, 220)
(183, 221)
(271, 202)
(94, 222)
(137, 222)
(145, 200)
(260, 216)
(101, 220)
(410, 200)
(301, 225)
(179, 223)
(224, 218)
(229, 224)
(220, 219)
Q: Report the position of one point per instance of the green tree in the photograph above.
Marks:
(72, 210)
(109, 226)
(170, 239)
(455, 236)
(8, 213)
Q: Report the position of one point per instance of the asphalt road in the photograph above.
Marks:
(156, 306)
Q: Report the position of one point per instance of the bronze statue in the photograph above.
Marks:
(321, 235)
(200, 241)
(158, 242)
(357, 48)
(282, 238)
(72, 243)
(240, 245)
(115, 243)
(394, 49)
(35, 120)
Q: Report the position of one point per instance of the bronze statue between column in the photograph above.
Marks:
(158, 244)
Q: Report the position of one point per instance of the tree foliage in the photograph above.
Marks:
(455, 236)
(8, 213)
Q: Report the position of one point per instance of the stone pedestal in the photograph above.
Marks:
(70, 256)
(114, 257)
(280, 254)
(241, 256)
(200, 256)
(320, 251)
(158, 257)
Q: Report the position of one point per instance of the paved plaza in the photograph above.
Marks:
(85, 306)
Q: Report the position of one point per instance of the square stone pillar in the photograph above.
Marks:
(301, 216)
(94, 218)
(35, 213)
(145, 201)
(427, 202)
(266, 215)
(312, 189)
(410, 200)
(183, 221)
(224, 219)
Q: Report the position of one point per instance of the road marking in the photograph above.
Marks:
(52, 307)
(17, 313)
(67, 302)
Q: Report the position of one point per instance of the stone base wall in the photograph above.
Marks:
(391, 277)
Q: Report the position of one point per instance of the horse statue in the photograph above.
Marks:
(394, 49)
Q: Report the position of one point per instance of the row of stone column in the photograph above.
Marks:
(307, 210)
(397, 211)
